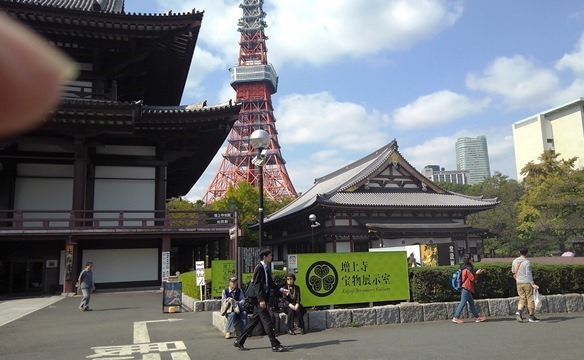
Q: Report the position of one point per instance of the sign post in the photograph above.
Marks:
(200, 274)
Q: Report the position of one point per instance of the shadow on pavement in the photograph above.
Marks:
(319, 344)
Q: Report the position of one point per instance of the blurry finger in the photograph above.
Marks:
(32, 73)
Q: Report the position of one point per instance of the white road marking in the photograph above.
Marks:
(141, 330)
(182, 355)
(142, 346)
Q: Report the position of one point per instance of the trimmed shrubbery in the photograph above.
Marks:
(433, 284)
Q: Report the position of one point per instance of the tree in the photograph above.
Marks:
(502, 220)
(184, 207)
(246, 200)
(552, 208)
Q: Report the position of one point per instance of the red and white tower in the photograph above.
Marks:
(254, 81)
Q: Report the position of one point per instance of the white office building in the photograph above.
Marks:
(560, 129)
(472, 155)
(436, 174)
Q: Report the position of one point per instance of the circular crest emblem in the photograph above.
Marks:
(322, 278)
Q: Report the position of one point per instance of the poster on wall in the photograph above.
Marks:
(429, 255)
(349, 278)
(221, 271)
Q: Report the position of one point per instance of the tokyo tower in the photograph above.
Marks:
(254, 81)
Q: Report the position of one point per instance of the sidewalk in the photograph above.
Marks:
(14, 309)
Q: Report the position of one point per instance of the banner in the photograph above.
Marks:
(349, 278)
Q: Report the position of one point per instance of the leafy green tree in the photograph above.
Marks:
(457, 188)
(183, 213)
(245, 197)
(552, 208)
(502, 220)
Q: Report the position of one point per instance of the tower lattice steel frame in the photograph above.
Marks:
(254, 81)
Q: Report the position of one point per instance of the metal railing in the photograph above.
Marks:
(114, 220)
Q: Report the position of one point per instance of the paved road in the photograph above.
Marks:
(132, 326)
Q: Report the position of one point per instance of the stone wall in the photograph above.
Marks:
(405, 312)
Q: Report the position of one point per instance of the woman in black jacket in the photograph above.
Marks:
(292, 306)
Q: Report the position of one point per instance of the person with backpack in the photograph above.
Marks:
(232, 307)
(468, 276)
(523, 275)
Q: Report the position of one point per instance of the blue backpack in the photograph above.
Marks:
(457, 279)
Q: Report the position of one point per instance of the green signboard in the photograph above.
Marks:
(349, 278)
(222, 270)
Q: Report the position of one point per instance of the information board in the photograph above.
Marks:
(171, 296)
(349, 278)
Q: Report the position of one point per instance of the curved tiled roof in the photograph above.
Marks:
(344, 188)
(405, 199)
(109, 6)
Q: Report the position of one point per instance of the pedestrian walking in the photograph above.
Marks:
(262, 283)
(523, 275)
(468, 277)
(85, 283)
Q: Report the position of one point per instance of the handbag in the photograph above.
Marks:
(537, 299)
(249, 290)
(249, 293)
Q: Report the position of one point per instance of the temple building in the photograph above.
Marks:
(91, 183)
(379, 201)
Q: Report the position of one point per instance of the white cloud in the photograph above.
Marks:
(502, 153)
(573, 61)
(321, 119)
(438, 108)
(434, 151)
(226, 92)
(202, 65)
(324, 31)
(518, 80)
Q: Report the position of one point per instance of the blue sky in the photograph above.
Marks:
(354, 75)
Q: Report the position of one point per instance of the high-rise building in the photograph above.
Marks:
(472, 155)
(560, 129)
(254, 80)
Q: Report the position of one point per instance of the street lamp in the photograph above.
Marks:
(314, 224)
(259, 140)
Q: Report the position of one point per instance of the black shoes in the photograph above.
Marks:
(533, 319)
(240, 347)
(290, 332)
(279, 348)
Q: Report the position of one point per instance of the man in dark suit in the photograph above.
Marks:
(262, 283)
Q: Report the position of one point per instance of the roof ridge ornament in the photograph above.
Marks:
(393, 145)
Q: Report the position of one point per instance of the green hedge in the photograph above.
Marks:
(190, 288)
(433, 284)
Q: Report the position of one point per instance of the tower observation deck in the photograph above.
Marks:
(254, 81)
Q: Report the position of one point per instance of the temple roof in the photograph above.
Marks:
(380, 180)
(148, 55)
(189, 135)
(110, 6)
